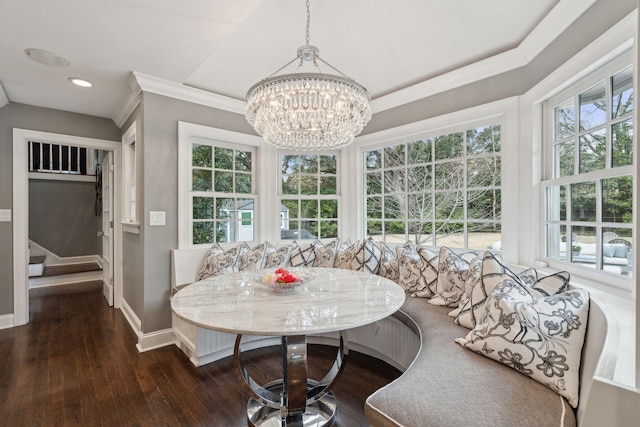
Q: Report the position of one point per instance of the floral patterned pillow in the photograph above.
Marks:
(277, 257)
(538, 336)
(453, 270)
(228, 261)
(410, 266)
(325, 254)
(346, 253)
(389, 267)
(253, 259)
(206, 267)
(367, 258)
(492, 272)
(474, 277)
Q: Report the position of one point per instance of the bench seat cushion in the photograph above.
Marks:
(449, 386)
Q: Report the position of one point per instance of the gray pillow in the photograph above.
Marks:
(608, 250)
(620, 250)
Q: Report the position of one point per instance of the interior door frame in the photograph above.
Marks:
(21, 138)
(107, 225)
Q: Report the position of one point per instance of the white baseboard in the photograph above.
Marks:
(154, 340)
(6, 321)
(54, 259)
(149, 341)
(65, 279)
(130, 315)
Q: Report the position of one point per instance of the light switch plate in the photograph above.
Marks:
(5, 215)
(157, 218)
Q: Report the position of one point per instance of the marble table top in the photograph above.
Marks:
(335, 299)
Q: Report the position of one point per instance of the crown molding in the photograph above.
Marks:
(139, 82)
(4, 99)
(564, 14)
(128, 104)
(186, 93)
(554, 24)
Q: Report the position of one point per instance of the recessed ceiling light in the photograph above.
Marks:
(47, 58)
(80, 82)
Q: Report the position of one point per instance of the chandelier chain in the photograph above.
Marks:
(307, 37)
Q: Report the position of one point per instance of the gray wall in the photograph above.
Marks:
(149, 252)
(132, 244)
(62, 217)
(22, 116)
(593, 23)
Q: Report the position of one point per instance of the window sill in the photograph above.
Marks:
(131, 227)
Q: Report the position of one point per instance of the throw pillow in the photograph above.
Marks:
(410, 267)
(389, 267)
(540, 337)
(452, 275)
(278, 257)
(473, 278)
(253, 259)
(367, 258)
(229, 260)
(492, 272)
(302, 256)
(429, 273)
(325, 254)
(206, 267)
(346, 253)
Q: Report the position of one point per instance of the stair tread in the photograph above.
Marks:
(57, 270)
(37, 259)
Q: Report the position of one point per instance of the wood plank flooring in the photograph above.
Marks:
(76, 364)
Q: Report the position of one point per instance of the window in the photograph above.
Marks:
(440, 191)
(222, 195)
(588, 194)
(309, 196)
(130, 208)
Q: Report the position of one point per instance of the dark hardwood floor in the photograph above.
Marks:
(76, 364)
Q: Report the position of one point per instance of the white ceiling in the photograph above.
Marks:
(226, 46)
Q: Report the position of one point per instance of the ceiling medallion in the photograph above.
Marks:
(308, 111)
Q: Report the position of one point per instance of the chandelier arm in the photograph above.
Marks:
(333, 68)
(281, 68)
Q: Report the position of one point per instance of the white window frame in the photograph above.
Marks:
(503, 112)
(337, 196)
(433, 191)
(616, 41)
(603, 73)
(189, 131)
(130, 190)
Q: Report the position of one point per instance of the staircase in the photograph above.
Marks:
(41, 274)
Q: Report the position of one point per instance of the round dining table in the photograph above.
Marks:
(328, 300)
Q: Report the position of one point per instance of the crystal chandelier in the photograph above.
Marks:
(308, 111)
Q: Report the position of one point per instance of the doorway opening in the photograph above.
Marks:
(107, 194)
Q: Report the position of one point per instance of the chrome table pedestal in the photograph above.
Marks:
(294, 400)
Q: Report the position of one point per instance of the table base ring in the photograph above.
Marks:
(294, 400)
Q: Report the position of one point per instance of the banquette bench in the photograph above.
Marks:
(442, 383)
